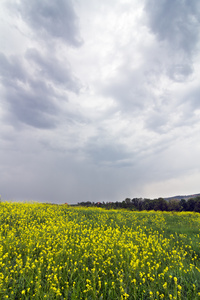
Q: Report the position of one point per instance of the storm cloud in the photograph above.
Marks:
(99, 100)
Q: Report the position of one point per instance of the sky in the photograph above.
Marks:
(99, 100)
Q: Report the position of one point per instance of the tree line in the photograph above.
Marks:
(139, 204)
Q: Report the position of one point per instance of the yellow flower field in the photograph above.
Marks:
(62, 252)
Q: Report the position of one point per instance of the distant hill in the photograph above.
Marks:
(186, 197)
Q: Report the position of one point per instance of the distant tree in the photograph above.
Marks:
(128, 201)
(123, 204)
(136, 202)
(88, 203)
(147, 204)
(183, 205)
(191, 204)
(197, 207)
(160, 204)
(173, 205)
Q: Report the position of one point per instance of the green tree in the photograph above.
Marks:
(191, 204)
(183, 205)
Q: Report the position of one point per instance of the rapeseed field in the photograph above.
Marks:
(62, 252)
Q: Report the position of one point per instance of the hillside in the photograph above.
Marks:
(186, 197)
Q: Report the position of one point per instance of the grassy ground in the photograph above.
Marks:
(61, 252)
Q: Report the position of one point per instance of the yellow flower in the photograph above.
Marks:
(150, 294)
(175, 280)
(165, 285)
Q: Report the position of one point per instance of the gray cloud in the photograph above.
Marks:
(28, 100)
(157, 121)
(54, 19)
(50, 67)
(147, 87)
(191, 100)
(180, 72)
(129, 89)
(112, 154)
(29, 87)
(176, 22)
(176, 26)
(11, 69)
(34, 106)
(128, 124)
(35, 82)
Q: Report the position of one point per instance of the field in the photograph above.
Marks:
(62, 252)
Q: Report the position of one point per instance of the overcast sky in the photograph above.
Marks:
(99, 100)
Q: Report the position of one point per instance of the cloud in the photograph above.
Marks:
(113, 154)
(11, 69)
(102, 120)
(51, 19)
(37, 79)
(28, 100)
(176, 22)
(180, 72)
(154, 71)
(51, 68)
(30, 87)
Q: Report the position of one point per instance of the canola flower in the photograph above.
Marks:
(62, 252)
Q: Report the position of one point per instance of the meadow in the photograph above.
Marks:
(62, 252)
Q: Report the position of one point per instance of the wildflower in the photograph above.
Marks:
(150, 294)
(165, 285)
(175, 280)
